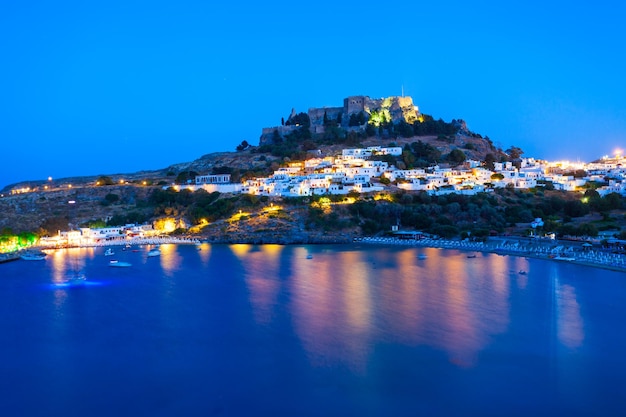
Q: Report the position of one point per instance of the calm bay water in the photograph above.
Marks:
(247, 330)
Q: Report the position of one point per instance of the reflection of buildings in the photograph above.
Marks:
(569, 321)
(332, 307)
(343, 301)
(262, 272)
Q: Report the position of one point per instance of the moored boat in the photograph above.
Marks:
(33, 256)
(109, 252)
(119, 264)
(154, 252)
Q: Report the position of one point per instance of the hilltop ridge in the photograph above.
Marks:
(360, 122)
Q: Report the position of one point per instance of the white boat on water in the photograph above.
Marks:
(154, 252)
(76, 279)
(421, 256)
(109, 252)
(119, 264)
(33, 256)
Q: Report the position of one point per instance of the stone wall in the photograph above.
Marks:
(400, 108)
(267, 134)
(354, 104)
(317, 114)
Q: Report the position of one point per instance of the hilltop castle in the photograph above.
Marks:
(372, 111)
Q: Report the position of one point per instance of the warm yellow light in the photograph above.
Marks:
(272, 208)
(144, 183)
(97, 182)
(385, 197)
(45, 187)
(121, 181)
(69, 186)
(166, 225)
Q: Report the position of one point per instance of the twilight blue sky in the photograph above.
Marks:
(90, 88)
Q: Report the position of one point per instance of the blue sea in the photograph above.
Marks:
(345, 330)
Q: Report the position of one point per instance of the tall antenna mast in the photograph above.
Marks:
(402, 90)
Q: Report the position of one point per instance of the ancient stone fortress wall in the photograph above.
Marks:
(400, 108)
(317, 114)
(355, 104)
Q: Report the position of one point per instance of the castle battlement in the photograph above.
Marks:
(398, 108)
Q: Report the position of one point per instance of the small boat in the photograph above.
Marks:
(309, 256)
(119, 264)
(471, 255)
(522, 272)
(109, 252)
(33, 256)
(422, 256)
(154, 252)
(75, 280)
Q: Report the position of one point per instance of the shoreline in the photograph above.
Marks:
(559, 253)
(537, 250)
(124, 242)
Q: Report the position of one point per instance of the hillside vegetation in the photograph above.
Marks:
(144, 198)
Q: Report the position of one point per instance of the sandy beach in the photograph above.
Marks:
(555, 251)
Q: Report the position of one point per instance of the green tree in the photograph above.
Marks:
(111, 198)
(186, 177)
(490, 160)
(104, 180)
(243, 146)
(457, 156)
(514, 152)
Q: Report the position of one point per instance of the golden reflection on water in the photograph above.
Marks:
(205, 253)
(170, 259)
(331, 307)
(357, 299)
(241, 250)
(461, 337)
(58, 265)
(570, 329)
(69, 261)
(442, 301)
(402, 290)
(262, 269)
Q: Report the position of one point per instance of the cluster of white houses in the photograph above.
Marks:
(85, 236)
(354, 171)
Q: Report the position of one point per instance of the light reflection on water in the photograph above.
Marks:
(379, 326)
(170, 259)
(261, 269)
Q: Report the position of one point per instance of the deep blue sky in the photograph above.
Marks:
(90, 88)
